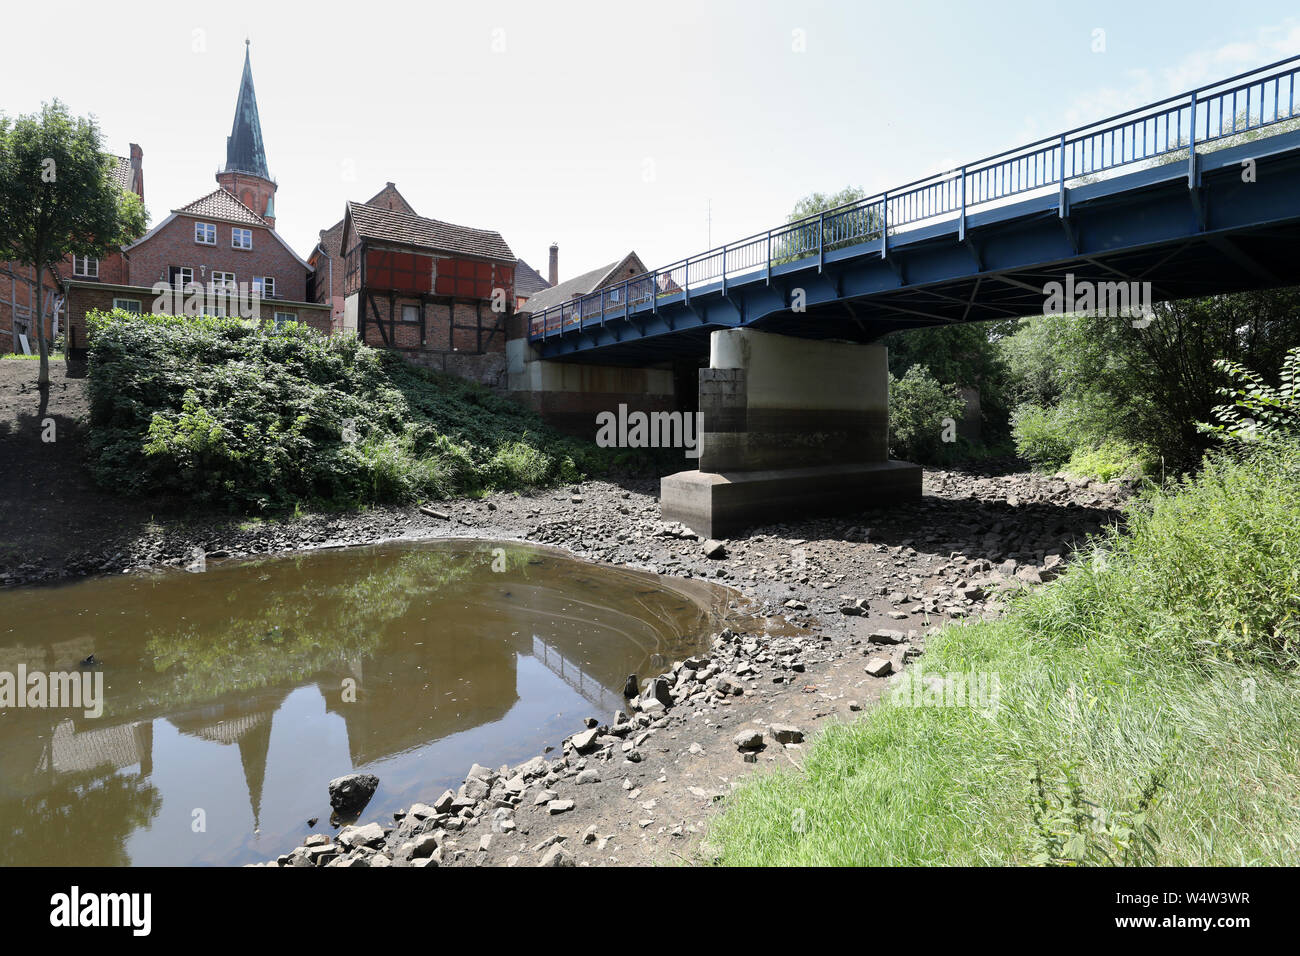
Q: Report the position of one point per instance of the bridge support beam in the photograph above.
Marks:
(790, 427)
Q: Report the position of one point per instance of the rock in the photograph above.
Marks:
(855, 706)
(714, 549)
(587, 776)
(435, 513)
(372, 835)
(1029, 575)
(853, 610)
(584, 741)
(748, 740)
(557, 856)
(443, 804)
(785, 733)
(1053, 567)
(559, 806)
(589, 835)
(349, 794)
(887, 635)
(879, 667)
(659, 690)
(631, 687)
(424, 845)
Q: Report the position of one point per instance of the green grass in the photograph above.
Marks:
(1170, 652)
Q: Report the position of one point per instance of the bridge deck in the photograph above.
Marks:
(1121, 200)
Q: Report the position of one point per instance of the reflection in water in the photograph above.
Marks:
(232, 697)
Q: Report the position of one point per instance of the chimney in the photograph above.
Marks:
(553, 273)
(137, 170)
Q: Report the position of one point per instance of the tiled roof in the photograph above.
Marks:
(564, 291)
(528, 280)
(391, 225)
(388, 197)
(219, 204)
(121, 172)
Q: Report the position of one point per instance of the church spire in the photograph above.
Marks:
(244, 151)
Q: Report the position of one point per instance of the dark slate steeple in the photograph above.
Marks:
(244, 151)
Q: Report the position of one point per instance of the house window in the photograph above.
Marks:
(223, 280)
(264, 286)
(181, 276)
(241, 238)
(85, 266)
(215, 308)
(410, 313)
(283, 317)
(205, 233)
(128, 305)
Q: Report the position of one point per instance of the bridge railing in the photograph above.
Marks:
(1166, 131)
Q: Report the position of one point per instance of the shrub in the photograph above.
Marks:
(1043, 436)
(229, 412)
(918, 407)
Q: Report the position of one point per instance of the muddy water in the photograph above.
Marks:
(231, 697)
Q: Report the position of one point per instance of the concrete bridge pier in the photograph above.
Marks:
(570, 395)
(790, 427)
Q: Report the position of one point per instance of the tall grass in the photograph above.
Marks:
(1169, 651)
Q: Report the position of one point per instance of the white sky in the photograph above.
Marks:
(607, 126)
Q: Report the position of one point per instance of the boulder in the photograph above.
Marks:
(349, 794)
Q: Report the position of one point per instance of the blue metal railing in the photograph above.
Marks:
(1239, 104)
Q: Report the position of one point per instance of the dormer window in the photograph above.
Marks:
(241, 238)
(85, 266)
(205, 233)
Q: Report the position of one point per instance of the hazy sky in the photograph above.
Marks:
(608, 126)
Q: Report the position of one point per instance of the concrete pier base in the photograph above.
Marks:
(790, 428)
(723, 505)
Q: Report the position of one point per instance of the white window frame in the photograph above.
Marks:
(184, 276)
(283, 317)
(205, 233)
(227, 280)
(238, 234)
(215, 309)
(414, 308)
(126, 304)
(264, 286)
(81, 266)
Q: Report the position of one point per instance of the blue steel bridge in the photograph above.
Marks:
(1158, 194)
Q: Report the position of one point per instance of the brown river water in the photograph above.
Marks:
(230, 698)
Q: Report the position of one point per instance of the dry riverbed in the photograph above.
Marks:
(827, 611)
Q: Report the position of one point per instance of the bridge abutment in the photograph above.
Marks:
(569, 395)
(790, 427)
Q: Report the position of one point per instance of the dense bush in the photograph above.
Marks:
(1149, 387)
(226, 412)
(918, 407)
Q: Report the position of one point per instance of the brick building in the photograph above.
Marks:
(222, 242)
(438, 293)
(326, 259)
(18, 282)
(607, 276)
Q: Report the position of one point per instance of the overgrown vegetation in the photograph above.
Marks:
(1158, 676)
(1167, 655)
(229, 413)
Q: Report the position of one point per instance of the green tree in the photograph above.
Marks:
(58, 198)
